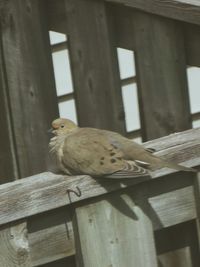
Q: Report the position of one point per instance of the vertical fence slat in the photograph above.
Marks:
(8, 165)
(51, 238)
(94, 64)
(179, 258)
(197, 198)
(178, 245)
(161, 73)
(124, 33)
(28, 104)
(30, 93)
(192, 43)
(111, 234)
(14, 246)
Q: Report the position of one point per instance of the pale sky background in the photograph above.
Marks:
(129, 93)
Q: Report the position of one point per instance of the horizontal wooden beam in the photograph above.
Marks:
(57, 242)
(47, 191)
(158, 198)
(51, 244)
(123, 24)
(196, 116)
(184, 10)
(125, 36)
(64, 98)
(59, 47)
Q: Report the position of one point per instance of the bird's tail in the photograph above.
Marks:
(157, 163)
(179, 167)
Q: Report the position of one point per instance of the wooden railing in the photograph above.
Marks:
(153, 222)
(111, 222)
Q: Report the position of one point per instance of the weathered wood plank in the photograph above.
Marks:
(8, 164)
(14, 245)
(122, 240)
(192, 43)
(47, 191)
(197, 198)
(178, 258)
(161, 76)
(123, 32)
(28, 71)
(180, 202)
(163, 208)
(149, 36)
(51, 244)
(182, 10)
(56, 16)
(94, 63)
(182, 211)
(185, 10)
(28, 104)
(177, 246)
(51, 236)
(123, 18)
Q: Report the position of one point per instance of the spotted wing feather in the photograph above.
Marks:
(88, 152)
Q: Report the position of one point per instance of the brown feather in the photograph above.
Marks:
(102, 153)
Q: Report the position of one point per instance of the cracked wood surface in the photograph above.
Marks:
(167, 198)
(47, 191)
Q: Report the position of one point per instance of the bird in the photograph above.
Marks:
(102, 153)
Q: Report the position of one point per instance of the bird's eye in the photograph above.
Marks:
(62, 126)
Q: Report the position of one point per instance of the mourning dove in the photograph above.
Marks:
(102, 153)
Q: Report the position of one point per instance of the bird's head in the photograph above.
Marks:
(62, 126)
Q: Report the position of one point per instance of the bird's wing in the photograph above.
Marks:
(130, 170)
(89, 151)
(143, 157)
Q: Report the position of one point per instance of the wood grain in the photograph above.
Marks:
(177, 246)
(50, 236)
(197, 198)
(8, 163)
(123, 18)
(28, 104)
(161, 76)
(117, 240)
(123, 33)
(56, 16)
(94, 63)
(46, 191)
(31, 94)
(14, 250)
(184, 10)
(51, 244)
(192, 42)
(166, 201)
(164, 209)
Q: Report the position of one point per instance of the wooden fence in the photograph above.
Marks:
(163, 48)
(111, 223)
(140, 223)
